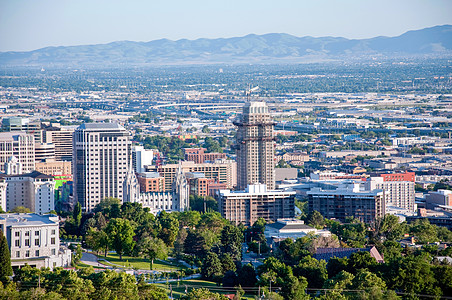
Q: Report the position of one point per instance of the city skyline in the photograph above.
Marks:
(82, 22)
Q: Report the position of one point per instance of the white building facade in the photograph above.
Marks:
(34, 240)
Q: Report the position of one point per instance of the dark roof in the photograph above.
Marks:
(279, 226)
(34, 174)
(327, 253)
(100, 126)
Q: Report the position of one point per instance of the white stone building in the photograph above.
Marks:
(34, 240)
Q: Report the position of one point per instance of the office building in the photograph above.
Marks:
(53, 167)
(199, 156)
(223, 171)
(201, 186)
(439, 198)
(34, 240)
(101, 157)
(255, 147)
(35, 191)
(347, 201)
(61, 137)
(151, 182)
(15, 124)
(142, 157)
(256, 202)
(18, 144)
(44, 151)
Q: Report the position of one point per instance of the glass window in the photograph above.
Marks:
(37, 253)
(37, 242)
(17, 243)
(17, 253)
(27, 253)
(17, 233)
(52, 241)
(27, 242)
(53, 251)
(27, 233)
(36, 232)
(53, 231)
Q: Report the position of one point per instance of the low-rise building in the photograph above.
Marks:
(291, 228)
(34, 240)
(256, 202)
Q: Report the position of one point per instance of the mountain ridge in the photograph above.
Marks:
(251, 48)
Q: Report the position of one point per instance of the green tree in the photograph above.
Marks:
(169, 227)
(97, 240)
(203, 294)
(153, 248)
(5, 259)
(20, 209)
(231, 241)
(227, 263)
(110, 207)
(77, 214)
(424, 231)
(211, 267)
(120, 233)
(189, 218)
(247, 276)
(315, 219)
(313, 270)
(205, 129)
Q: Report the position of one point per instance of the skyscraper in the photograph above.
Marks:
(101, 157)
(255, 147)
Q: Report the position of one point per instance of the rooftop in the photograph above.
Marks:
(101, 126)
(23, 219)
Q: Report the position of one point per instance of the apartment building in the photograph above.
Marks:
(347, 201)
(256, 202)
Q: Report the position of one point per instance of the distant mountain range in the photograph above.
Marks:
(267, 48)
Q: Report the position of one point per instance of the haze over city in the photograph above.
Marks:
(28, 25)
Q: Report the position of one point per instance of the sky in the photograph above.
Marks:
(32, 24)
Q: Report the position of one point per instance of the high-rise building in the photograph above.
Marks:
(101, 157)
(18, 144)
(44, 151)
(255, 147)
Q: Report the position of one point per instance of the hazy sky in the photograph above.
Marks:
(33, 24)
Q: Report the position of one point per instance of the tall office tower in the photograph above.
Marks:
(101, 157)
(255, 147)
(18, 144)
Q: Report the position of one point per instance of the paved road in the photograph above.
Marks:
(91, 259)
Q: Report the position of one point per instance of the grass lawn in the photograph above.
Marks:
(179, 291)
(82, 265)
(140, 263)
